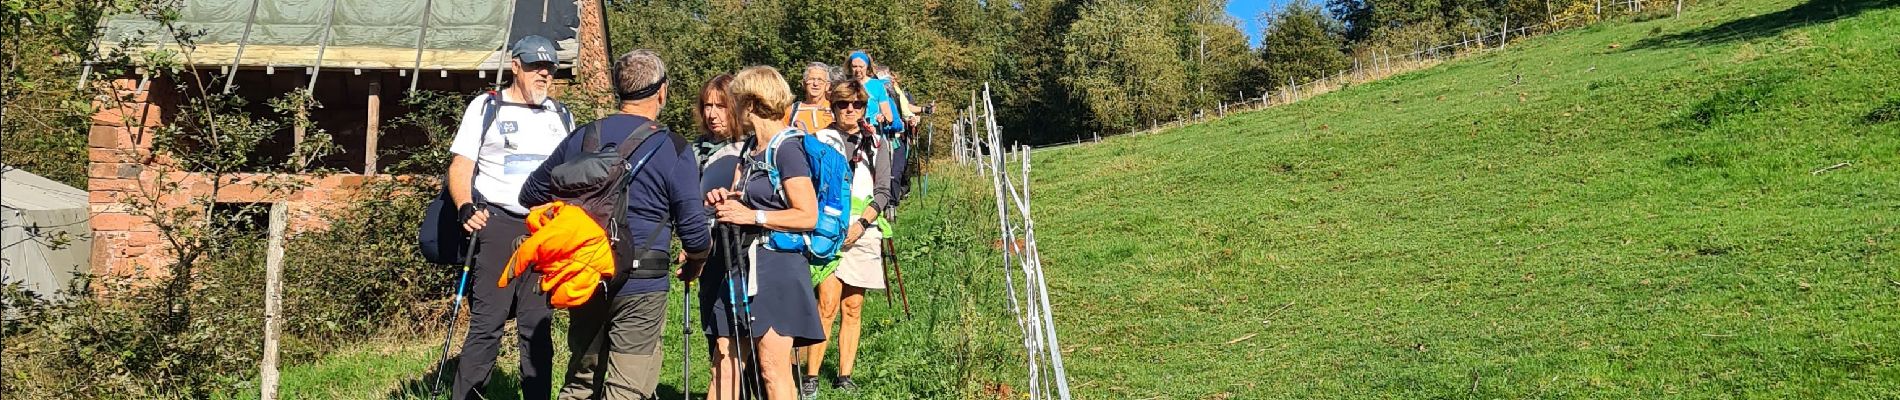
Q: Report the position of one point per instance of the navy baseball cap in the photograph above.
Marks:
(533, 49)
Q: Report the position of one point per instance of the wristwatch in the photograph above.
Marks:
(867, 223)
(758, 217)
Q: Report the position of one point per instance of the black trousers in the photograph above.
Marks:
(490, 307)
(900, 173)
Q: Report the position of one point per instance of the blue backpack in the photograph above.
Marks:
(831, 177)
(883, 98)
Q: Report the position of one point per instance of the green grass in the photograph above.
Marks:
(1623, 211)
(946, 350)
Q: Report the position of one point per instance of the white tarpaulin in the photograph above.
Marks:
(44, 230)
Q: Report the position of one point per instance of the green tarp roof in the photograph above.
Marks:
(459, 34)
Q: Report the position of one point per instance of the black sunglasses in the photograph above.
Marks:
(859, 105)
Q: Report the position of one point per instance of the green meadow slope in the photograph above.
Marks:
(1631, 210)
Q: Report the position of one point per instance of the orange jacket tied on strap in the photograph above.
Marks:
(569, 249)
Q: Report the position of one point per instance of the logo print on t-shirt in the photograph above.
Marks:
(509, 128)
(522, 164)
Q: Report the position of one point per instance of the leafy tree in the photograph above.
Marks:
(1225, 64)
(43, 111)
(1301, 44)
(1033, 102)
(1126, 69)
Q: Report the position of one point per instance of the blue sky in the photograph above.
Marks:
(1248, 12)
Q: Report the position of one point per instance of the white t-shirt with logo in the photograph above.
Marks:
(517, 142)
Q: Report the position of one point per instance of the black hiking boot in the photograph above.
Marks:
(844, 383)
(808, 388)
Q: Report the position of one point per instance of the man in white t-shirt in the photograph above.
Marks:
(504, 136)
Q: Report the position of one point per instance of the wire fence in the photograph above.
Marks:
(1372, 65)
(977, 142)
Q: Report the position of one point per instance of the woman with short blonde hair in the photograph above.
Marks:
(783, 308)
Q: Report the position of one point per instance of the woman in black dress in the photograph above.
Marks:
(783, 308)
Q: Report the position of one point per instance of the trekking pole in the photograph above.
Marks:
(890, 250)
(686, 343)
(888, 302)
(732, 305)
(750, 348)
(737, 311)
(455, 311)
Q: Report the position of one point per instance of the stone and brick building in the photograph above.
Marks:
(359, 59)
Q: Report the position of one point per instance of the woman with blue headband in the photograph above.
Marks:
(883, 110)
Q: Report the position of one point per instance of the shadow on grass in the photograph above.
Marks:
(1882, 114)
(502, 385)
(672, 391)
(1770, 24)
(428, 386)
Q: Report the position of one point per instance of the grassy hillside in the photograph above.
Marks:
(1631, 210)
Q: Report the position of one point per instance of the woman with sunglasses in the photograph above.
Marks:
(860, 264)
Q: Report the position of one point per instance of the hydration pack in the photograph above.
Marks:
(831, 178)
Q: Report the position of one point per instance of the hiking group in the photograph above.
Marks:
(782, 212)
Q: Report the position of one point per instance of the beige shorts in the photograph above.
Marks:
(862, 264)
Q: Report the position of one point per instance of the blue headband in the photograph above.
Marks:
(855, 55)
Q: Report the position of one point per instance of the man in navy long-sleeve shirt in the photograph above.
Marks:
(663, 197)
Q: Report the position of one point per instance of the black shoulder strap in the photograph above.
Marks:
(639, 135)
(621, 189)
(867, 150)
(590, 139)
(490, 107)
(567, 118)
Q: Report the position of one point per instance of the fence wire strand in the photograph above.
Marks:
(977, 142)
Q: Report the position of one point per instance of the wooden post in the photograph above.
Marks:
(273, 301)
(1504, 35)
(373, 129)
(297, 130)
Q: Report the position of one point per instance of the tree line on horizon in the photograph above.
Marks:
(1058, 70)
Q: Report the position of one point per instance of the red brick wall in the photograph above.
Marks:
(593, 63)
(122, 164)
